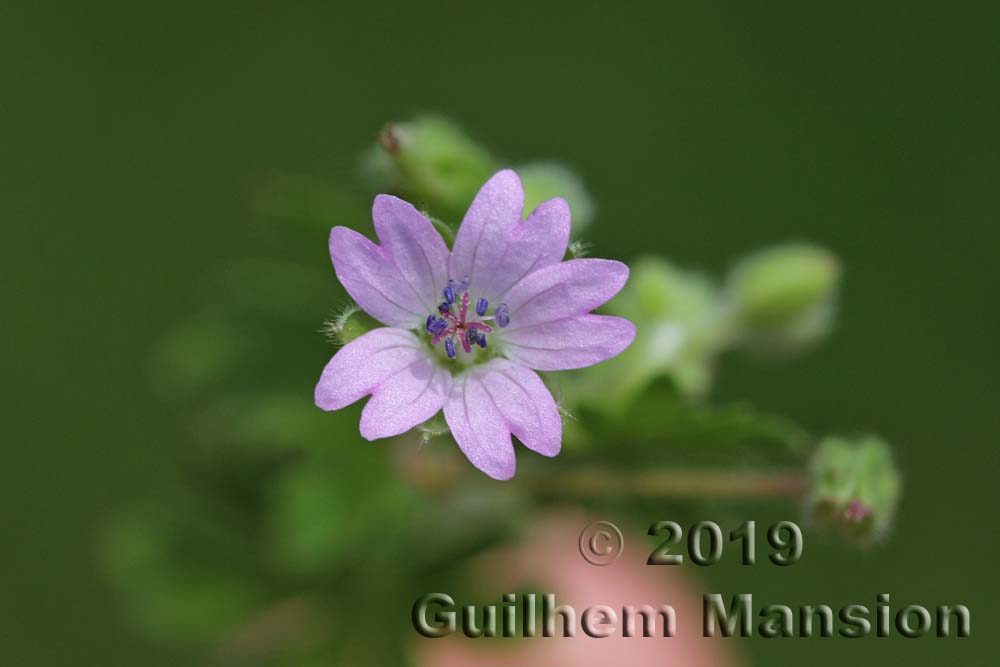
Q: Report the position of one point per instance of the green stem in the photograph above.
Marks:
(677, 483)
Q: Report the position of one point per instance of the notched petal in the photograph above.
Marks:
(396, 282)
(371, 279)
(485, 231)
(479, 428)
(574, 342)
(564, 290)
(526, 404)
(364, 363)
(414, 246)
(536, 243)
(408, 398)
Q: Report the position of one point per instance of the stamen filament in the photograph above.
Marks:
(454, 328)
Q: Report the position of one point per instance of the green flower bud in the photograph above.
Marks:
(430, 162)
(544, 180)
(785, 296)
(855, 488)
(348, 324)
(677, 335)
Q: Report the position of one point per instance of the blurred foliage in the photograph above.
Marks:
(283, 512)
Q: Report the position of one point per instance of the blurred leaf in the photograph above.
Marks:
(658, 427)
(333, 505)
(185, 571)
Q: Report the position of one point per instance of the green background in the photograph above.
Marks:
(131, 134)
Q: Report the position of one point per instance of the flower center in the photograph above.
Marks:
(454, 324)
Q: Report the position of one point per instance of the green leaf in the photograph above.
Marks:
(659, 427)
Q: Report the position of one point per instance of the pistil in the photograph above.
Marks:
(455, 324)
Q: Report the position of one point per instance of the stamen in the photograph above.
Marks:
(502, 315)
(437, 326)
(485, 328)
(451, 325)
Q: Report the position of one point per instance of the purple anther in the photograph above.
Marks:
(502, 315)
(437, 326)
(449, 347)
(481, 307)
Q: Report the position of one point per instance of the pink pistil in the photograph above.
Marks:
(464, 308)
(458, 327)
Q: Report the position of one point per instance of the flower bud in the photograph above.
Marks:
(676, 335)
(546, 180)
(855, 487)
(784, 297)
(431, 162)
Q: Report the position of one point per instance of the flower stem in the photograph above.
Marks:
(677, 483)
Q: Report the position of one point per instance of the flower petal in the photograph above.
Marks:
(537, 242)
(410, 397)
(574, 342)
(372, 280)
(362, 365)
(563, 290)
(397, 282)
(478, 427)
(412, 243)
(485, 232)
(526, 404)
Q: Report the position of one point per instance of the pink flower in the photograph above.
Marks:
(466, 330)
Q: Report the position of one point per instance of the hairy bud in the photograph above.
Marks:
(855, 487)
